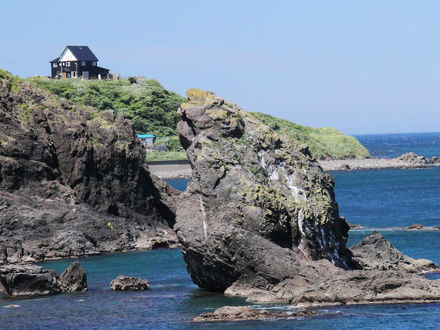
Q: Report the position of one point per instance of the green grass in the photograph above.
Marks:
(151, 108)
(168, 155)
(324, 143)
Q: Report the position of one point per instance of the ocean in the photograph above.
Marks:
(385, 200)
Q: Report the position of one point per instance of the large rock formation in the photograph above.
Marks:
(72, 181)
(259, 218)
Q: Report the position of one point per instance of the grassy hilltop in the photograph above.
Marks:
(153, 109)
(324, 143)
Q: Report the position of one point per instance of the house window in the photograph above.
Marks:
(73, 74)
(85, 74)
(67, 63)
(83, 63)
(55, 65)
(93, 63)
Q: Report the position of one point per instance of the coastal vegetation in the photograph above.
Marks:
(323, 142)
(153, 110)
(150, 107)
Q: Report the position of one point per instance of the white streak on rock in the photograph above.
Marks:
(205, 225)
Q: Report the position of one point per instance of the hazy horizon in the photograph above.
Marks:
(362, 68)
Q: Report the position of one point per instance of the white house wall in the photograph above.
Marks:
(67, 56)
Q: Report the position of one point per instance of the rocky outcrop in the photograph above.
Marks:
(72, 181)
(33, 280)
(250, 191)
(126, 283)
(73, 278)
(245, 313)
(259, 219)
(28, 280)
(375, 252)
(413, 158)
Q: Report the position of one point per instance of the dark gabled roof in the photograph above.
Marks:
(103, 69)
(55, 60)
(82, 53)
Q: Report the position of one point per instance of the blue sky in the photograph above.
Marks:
(358, 66)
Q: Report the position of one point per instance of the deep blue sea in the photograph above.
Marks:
(376, 199)
(394, 145)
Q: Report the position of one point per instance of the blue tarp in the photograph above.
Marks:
(145, 136)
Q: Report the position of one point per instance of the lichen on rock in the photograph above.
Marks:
(259, 219)
(249, 177)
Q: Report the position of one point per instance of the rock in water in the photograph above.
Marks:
(73, 181)
(259, 218)
(245, 313)
(73, 278)
(126, 283)
(27, 280)
(249, 187)
(32, 280)
(375, 252)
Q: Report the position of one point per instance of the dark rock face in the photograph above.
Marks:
(27, 280)
(73, 182)
(33, 280)
(244, 313)
(259, 219)
(375, 252)
(73, 278)
(126, 283)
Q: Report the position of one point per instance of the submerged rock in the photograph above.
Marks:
(259, 219)
(126, 283)
(73, 278)
(245, 313)
(73, 181)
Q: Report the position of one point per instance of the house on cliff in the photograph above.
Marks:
(77, 62)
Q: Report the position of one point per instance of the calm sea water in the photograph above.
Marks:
(394, 145)
(381, 199)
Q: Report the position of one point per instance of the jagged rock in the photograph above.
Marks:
(27, 280)
(73, 278)
(375, 252)
(259, 219)
(72, 181)
(244, 313)
(126, 283)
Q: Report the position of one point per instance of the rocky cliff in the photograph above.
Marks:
(259, 219)
(73, 182)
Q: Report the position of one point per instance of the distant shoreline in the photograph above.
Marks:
(182, 169)
(371, 164)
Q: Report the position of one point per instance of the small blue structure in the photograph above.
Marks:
(147, 139)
